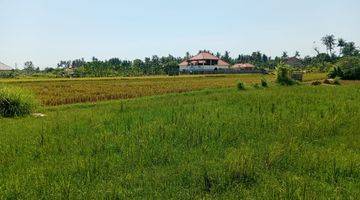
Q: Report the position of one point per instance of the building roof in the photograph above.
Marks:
(204, 56)
(243, 65)
(293, 61)
(222, 63)
(4, 67)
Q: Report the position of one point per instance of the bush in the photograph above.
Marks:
(264, 82)
(16, 102)
(256, 86)
(284, 75)
(337, 81)
(348, 68)
(241, 86)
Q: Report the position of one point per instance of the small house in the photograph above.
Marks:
(294, 62)
(243, 66)
(203, 62)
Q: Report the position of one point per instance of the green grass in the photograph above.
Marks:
(299, 142)
(16, 102)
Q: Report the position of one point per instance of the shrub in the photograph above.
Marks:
(256, 86)
(335, 72)
(264, 82)
(16, 102)
(284, 75)
(337, 81)
(347, 68)
(241, 86)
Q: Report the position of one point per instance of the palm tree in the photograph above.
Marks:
(284, 55)
(341, 44)
(329, 42)
(350, 49)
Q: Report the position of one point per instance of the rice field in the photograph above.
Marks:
(300, 142)
(53, 92)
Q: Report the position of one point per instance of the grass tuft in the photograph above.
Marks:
(16, 102)
(241, 86)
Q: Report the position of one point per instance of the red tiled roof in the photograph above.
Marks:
(204, 56)
(184, 63)
(223, 63)
(243, 65)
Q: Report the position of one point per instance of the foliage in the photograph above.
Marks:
(282, 143)
(155, 65)
(337, 81)
(15, 102)
(348, 68)
(9, 74)
(284, 75)
(171, 68)
(256, 86)
(329, 41)
(241, 86)
(264, 82)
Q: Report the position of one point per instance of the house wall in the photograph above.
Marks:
(196, 68)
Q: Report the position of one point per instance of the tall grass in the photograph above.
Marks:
(64, 91)
(15, 102)
(279, 143)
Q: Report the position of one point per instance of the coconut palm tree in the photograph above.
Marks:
(329, 41)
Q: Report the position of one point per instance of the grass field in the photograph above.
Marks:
(300, 142)
(68, 91)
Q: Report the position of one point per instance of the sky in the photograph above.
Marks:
(47, 31)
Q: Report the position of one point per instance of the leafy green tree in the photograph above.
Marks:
(341, 44)
(226, 57)
(171, 68)
(29, 67)
(349, 49)
(347, 68)
(64, 64)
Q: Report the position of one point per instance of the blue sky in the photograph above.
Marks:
(47, 31)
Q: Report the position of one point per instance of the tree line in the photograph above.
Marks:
(155, 65)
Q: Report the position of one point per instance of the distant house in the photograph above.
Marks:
(203, 62)
(294, 62)
(243, 66)
(4, 67)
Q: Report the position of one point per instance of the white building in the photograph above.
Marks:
(203, 62)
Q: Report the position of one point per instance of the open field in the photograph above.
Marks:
(300, 142)
(68, 91)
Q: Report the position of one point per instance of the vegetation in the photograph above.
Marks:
(281, 143)
(284, 75)
(264, 82)
(347, 68)
(337, 49)
(15, 102)
(65, 91)
(241, 86)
